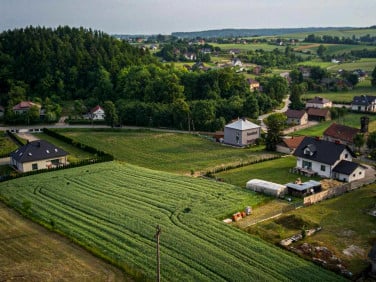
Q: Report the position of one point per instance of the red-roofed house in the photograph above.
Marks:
(288, 145)
(318, 114)
(97, 113)
(296, 117)
(341, 133)
(24, 107)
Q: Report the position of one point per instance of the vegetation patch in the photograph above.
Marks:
(112, 209)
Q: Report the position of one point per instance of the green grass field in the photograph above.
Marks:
(113, 209)
(173, 152)
(248, 47)
(342, 227)
(275, 171)
(366, 64)
(350, 119)
(334, 32)
(75, 153)
(6, 144)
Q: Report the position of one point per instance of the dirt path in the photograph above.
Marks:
(28, 252)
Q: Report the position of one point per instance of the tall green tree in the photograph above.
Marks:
(275, 124)
(296, 91)
(321, 50)
(111, 115)
(373, 79)
(359, 141)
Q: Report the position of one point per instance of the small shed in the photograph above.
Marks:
(267, 187)
(303, 189)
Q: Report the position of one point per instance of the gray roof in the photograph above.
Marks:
(363, 100)
(345, 167)
(241, 124)
(37, 150)
(304, 186)
(322, 151)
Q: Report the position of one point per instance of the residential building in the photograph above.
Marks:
(319, 102)
(288, 145)
(316, 114)
(241, 133)
(253, 84)
(364, 103)
(327, 159)
(37, 155)
(24, 107)
(341, 133)
(296, 117)
(97, 113)
(236, 62)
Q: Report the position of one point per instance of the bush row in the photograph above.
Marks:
(86, 122)
(19, 141)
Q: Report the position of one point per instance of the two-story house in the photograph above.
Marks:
(319, 102)
(327, 159)
(241, 133)
(364, 103)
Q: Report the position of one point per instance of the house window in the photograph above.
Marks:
(354, 175)
(322, 168)
(346, 155)
(307, 165)
(360, 172)
(34, 166)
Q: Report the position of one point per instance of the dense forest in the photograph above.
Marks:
(52, 66)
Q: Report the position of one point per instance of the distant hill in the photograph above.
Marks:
(251, 32)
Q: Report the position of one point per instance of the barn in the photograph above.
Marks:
(266, 187)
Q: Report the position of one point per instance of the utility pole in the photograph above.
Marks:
(157, 234)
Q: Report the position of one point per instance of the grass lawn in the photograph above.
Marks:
(6, 144)
(366, 64)
(75, 154)
(275, 171)
(344, 220)
(346, 97)
(350, 119)
(173, 152)
(248, 47)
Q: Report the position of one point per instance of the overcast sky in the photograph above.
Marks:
(166, 16)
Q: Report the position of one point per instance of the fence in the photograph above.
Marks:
(336, 191)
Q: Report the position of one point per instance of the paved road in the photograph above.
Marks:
(261, 118)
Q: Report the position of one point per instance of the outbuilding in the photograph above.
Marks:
(266, 187)
(303, 189)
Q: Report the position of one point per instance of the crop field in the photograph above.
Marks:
(112, 209)
(276, 171)
(248, 47)
(29, 252)
(339, 33)
(172, 152)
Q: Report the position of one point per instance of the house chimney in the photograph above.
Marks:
(364, 121)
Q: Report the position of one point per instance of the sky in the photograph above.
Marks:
(166, 16)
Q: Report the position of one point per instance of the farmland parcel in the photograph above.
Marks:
(113, 209)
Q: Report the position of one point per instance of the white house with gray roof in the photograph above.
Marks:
(241, 133)
(364, 103)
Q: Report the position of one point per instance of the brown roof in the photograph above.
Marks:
(294, 113)
(318, 100)
(293, 142)
(25, 105)
(317, 112)
(341, 132)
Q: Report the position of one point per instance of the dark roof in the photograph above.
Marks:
(363, 100)
(318, 100)
(294, 114)
(345, 167)
(372, 253)
(37, 150)
(341, 132)
(322, 151)
(317, 112)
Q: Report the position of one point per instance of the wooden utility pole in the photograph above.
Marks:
(157, 234)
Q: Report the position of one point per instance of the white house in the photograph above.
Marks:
(327, 159)
(319, 102)
(24, 107)
(97, 113)
(241, 133)
(364, 103)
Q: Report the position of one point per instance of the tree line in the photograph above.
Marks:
(52, 66)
